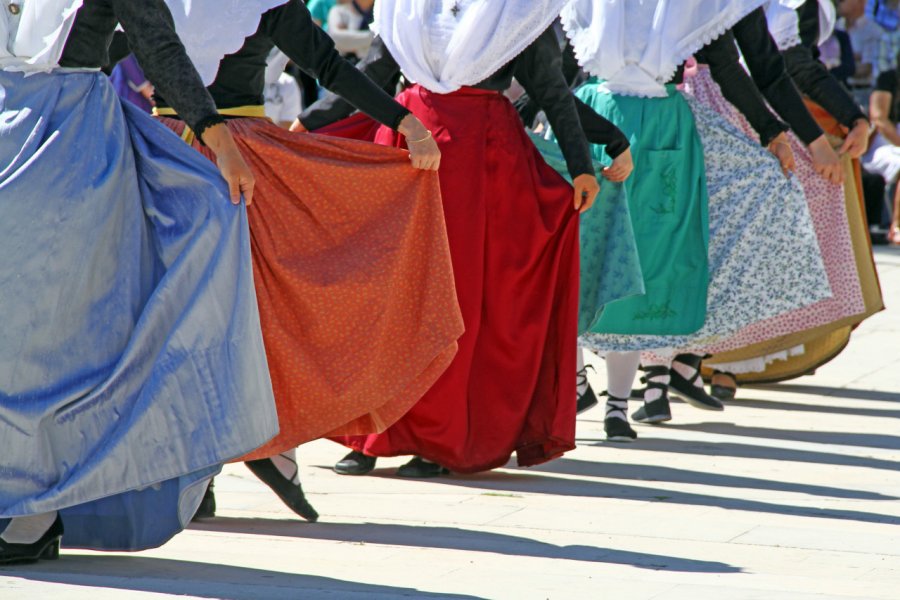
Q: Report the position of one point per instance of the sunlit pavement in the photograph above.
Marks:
(791, 493)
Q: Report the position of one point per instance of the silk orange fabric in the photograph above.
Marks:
(353, 278)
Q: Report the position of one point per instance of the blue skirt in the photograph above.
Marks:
(131, 358)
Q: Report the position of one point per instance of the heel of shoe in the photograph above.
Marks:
(51, 550)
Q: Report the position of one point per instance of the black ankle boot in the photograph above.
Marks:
(419, 468)
(355, 463)
(46, 548)
(289, 492)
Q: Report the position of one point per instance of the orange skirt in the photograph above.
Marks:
(353, 278)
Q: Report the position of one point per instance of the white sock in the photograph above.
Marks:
(28, 530)
(286, 463)
(621, 369)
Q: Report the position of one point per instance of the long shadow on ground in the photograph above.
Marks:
(542, 483)
(823, 390)
(849, 409)
(585, 468)
(453, 538)
(839, 438)
(737, 450)
(205, 580)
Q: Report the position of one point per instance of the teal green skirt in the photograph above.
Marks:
(612, 252)
(667, 199)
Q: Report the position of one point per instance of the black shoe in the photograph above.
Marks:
(724, 393)
(207, 508)
(618, 430)
(419, 468)
(355, 463)
(686, 389)
(290, 493)
(588, 399)
(46, 548)
(656, 411)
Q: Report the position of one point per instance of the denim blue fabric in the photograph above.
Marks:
(131, 358)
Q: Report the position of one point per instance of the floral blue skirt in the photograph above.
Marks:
(131, 359)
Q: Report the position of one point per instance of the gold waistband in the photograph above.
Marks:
(251, 110)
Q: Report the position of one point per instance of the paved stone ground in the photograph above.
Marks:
(791, 493)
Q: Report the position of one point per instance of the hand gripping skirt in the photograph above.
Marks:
(353, 278)
(843, 244)
(131, 358)
(763, 256)
(514, 240)
(610, 268)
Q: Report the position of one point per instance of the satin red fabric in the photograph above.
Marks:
(513, 234)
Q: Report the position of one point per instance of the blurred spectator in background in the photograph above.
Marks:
(282, 93)
(837, 54)
(865, 38)
(883, 157)
(348, 26)
(319, 10)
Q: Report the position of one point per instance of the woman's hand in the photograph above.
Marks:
(826, 161)
(620, 169)
(423, 150)
(297, 126)
(857, 141)
(231, 164)
(780, 147)
(586, 190)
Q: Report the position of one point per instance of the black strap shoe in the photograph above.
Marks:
(654, 411)
(289, 492)
(355, 463)
(586, 399)
(687, 388)
(419, 468)
(618, 430)
(46, 548)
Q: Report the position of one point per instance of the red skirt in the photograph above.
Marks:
(513, 236)
(353, 279)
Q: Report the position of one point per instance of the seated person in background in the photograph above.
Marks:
(883, 157)
(348, 26)
(865, 38)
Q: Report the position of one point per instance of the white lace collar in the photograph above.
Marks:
(637, 45)
(32, 40)
(784, 24)
(444, 45)
(213, 29)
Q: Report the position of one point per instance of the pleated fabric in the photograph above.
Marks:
(131, 357)
(514, 241)
(353, 278)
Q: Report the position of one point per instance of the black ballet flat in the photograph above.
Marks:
(207, 508)
(289, 492)
(46, 548)
(419, 468)
(355, 463)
